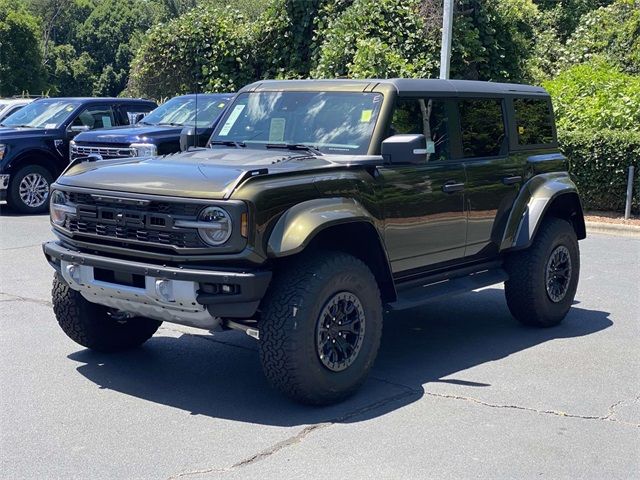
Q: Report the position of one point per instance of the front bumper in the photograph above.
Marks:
(189, 296)
(4, 185)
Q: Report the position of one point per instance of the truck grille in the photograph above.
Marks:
(133, 226)
(105, 152)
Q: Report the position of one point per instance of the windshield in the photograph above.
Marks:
(333, 122)
(42, 114)
(181, 111)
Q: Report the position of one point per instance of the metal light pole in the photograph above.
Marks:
(447, 28)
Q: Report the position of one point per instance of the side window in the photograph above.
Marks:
(131, 112)
(533, 121)
(98, 116)
(425, 116)
(482, 127)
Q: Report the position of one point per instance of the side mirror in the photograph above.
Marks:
(188, 138)
(405, 148)
(78, 128)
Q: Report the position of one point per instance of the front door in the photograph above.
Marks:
(425, 222)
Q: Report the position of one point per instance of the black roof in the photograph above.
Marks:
(403, 86)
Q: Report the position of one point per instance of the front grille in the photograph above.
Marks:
(133, 225)
(105, 152)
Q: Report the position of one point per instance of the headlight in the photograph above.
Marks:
(220, 229)
(60, 207)
(3, 147)
(144, 149)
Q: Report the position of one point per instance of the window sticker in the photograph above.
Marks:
(50, 126)
(365, 116)
(106, 121)
(431, 146)
(520, 129)
(228, 125)
(221, 105)
(276, 130)
(69, 108)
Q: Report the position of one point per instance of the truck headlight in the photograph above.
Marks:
(60, 207)
(3, 147)
(144, 149)
(220, 229)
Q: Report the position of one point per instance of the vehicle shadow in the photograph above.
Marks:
(220, 376)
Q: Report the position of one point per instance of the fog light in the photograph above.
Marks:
(227, 288)
(164, 290)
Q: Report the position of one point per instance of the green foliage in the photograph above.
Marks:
(612, 32)
(210, 46)
(595, 95)
(599, 162)
(71, 73)
(20, 53)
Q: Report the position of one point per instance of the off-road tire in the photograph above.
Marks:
(90, 324)
(289, 317)
(14, 200)
(526, 290)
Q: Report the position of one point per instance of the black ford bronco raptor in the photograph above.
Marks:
(318, 205)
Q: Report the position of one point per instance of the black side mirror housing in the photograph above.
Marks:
(188, 138)
(405, 148)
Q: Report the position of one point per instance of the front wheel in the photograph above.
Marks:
(95, 326)
(29, 189)
(320, 327)
(543, 279)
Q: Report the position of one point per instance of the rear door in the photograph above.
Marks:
(425, 222)
(493, 177)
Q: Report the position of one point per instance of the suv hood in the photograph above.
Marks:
(127, 134)
(202, 173)
(8, 134)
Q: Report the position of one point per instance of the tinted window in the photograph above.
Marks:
(482, 125)
(425, 116)
(99, 116)
(132, 111)
(334, 122)
(533, 121)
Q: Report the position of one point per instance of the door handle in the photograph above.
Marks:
(452, 186)
(512, 180)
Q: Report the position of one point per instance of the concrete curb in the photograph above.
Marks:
(616, 229)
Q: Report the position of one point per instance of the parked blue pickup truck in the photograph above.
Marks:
(159, 133)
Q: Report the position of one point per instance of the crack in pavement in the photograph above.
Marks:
(18, 298)
(5, 249)
(295, 439)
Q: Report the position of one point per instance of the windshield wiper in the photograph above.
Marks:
(20, 126)
(228, 143)
(171, 124)
(295, 146)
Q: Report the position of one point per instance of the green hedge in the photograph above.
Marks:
(599, 163)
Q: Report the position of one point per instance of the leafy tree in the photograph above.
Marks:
(70, 74)
(612, 32)
(596, 96)
(20, 54)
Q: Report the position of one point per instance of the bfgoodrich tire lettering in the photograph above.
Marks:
(294, 303)
(536, 293)
(91, 326)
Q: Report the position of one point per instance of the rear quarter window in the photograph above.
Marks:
(482, 127)
(534, 121)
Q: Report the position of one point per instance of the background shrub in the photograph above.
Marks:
(599, 162)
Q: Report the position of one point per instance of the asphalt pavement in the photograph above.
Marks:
(459, 390)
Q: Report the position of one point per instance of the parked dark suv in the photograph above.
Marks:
(321, 204)
(159, 133)
(34, 142)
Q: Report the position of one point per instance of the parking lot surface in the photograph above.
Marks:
(459, 390)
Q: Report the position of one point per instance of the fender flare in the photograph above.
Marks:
(301, 223)
(53, 163)
(533, 202)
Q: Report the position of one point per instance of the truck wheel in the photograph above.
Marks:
(543, 278)
(29, 189)
(92, 325)
(320, 327)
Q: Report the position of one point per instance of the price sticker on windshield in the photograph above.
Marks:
(276, 130)
(365, 116)
(231, 120)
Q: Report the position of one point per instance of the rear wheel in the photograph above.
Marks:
(320, 327)
(95, 326)
(29, 189)
(543, 279)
